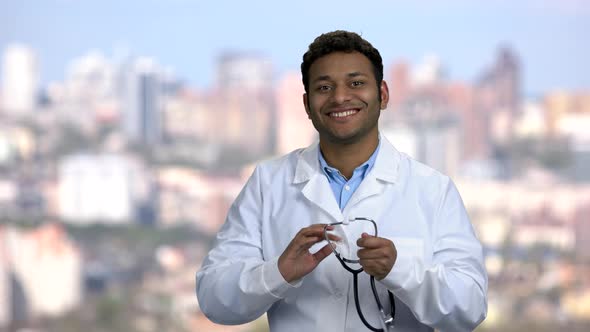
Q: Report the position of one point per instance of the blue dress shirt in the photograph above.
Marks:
(344, 188)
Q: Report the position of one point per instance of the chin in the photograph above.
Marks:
(344, 139)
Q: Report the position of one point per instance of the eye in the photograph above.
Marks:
(324, 88)
(357, 83)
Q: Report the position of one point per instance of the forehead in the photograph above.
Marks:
(340, 64)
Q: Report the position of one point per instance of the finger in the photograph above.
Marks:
(373, 266)
(334, 237)
(371, 254)
(375, 261)
(363, 238)
(299, 244)
(379, 268)
(323, 253)
(308, 242)
(317, 238)
(320, 230)
(368, 265)
(368, 242)
(315, 230)
(373, 242)
(308, 236)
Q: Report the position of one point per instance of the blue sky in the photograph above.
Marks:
(551, 36)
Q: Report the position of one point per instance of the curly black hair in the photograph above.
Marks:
(340, 41)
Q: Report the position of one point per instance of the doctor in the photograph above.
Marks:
(270, 255)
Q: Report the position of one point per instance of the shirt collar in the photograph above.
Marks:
(365, 167)
(386, 166)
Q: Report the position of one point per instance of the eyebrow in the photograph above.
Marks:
(327, 77)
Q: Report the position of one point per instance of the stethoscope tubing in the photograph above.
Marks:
(355, 273)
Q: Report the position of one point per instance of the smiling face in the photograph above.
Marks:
(344, 101)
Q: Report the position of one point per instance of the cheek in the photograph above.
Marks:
(318, 99)
(315, 105)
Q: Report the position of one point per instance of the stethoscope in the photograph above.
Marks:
(387, 319)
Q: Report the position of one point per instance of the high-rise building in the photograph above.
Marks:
(14, 308)
(399, 85)
(294, 129)
(428, 72)
(568, 117)
(582, 231)
(437, 144)
(194, 197)
(190, 117)
(89, 94)
(440, 146)
(40, 274)
(431, 128)
(143, 98)
(247, 71)
(498, 96)
(20, 80)
(47, 251)
(101, 188)
(532, 121)
(475, 140)
(560, 104)
(5, 289)
(245, 97)
(403, 137)
(90, 78)
(543, 227)
(60, 264)
(506, 77)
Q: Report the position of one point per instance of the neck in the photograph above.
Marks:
(347, 157)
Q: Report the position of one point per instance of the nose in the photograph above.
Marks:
(341, 94)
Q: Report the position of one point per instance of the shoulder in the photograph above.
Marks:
(278, 167)
(406, 170)
(423, 178)
(418, 171)
(280, 163)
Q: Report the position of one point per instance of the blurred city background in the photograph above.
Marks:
(128, 128)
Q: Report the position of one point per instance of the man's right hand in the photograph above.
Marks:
(296, 261)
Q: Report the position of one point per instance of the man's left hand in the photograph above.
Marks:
(377, 255)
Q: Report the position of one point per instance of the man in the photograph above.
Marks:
(270, 255)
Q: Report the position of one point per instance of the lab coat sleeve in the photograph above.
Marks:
(450, 293)
(235, 285)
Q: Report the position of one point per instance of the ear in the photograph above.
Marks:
(384, 95)
(306, 105)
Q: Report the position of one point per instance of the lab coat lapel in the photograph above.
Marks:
(369, 187)
(318, 192)
(384, 172)
(316, 189)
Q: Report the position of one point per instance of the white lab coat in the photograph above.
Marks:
(439, 280)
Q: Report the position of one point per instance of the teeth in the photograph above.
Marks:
(342, 114)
